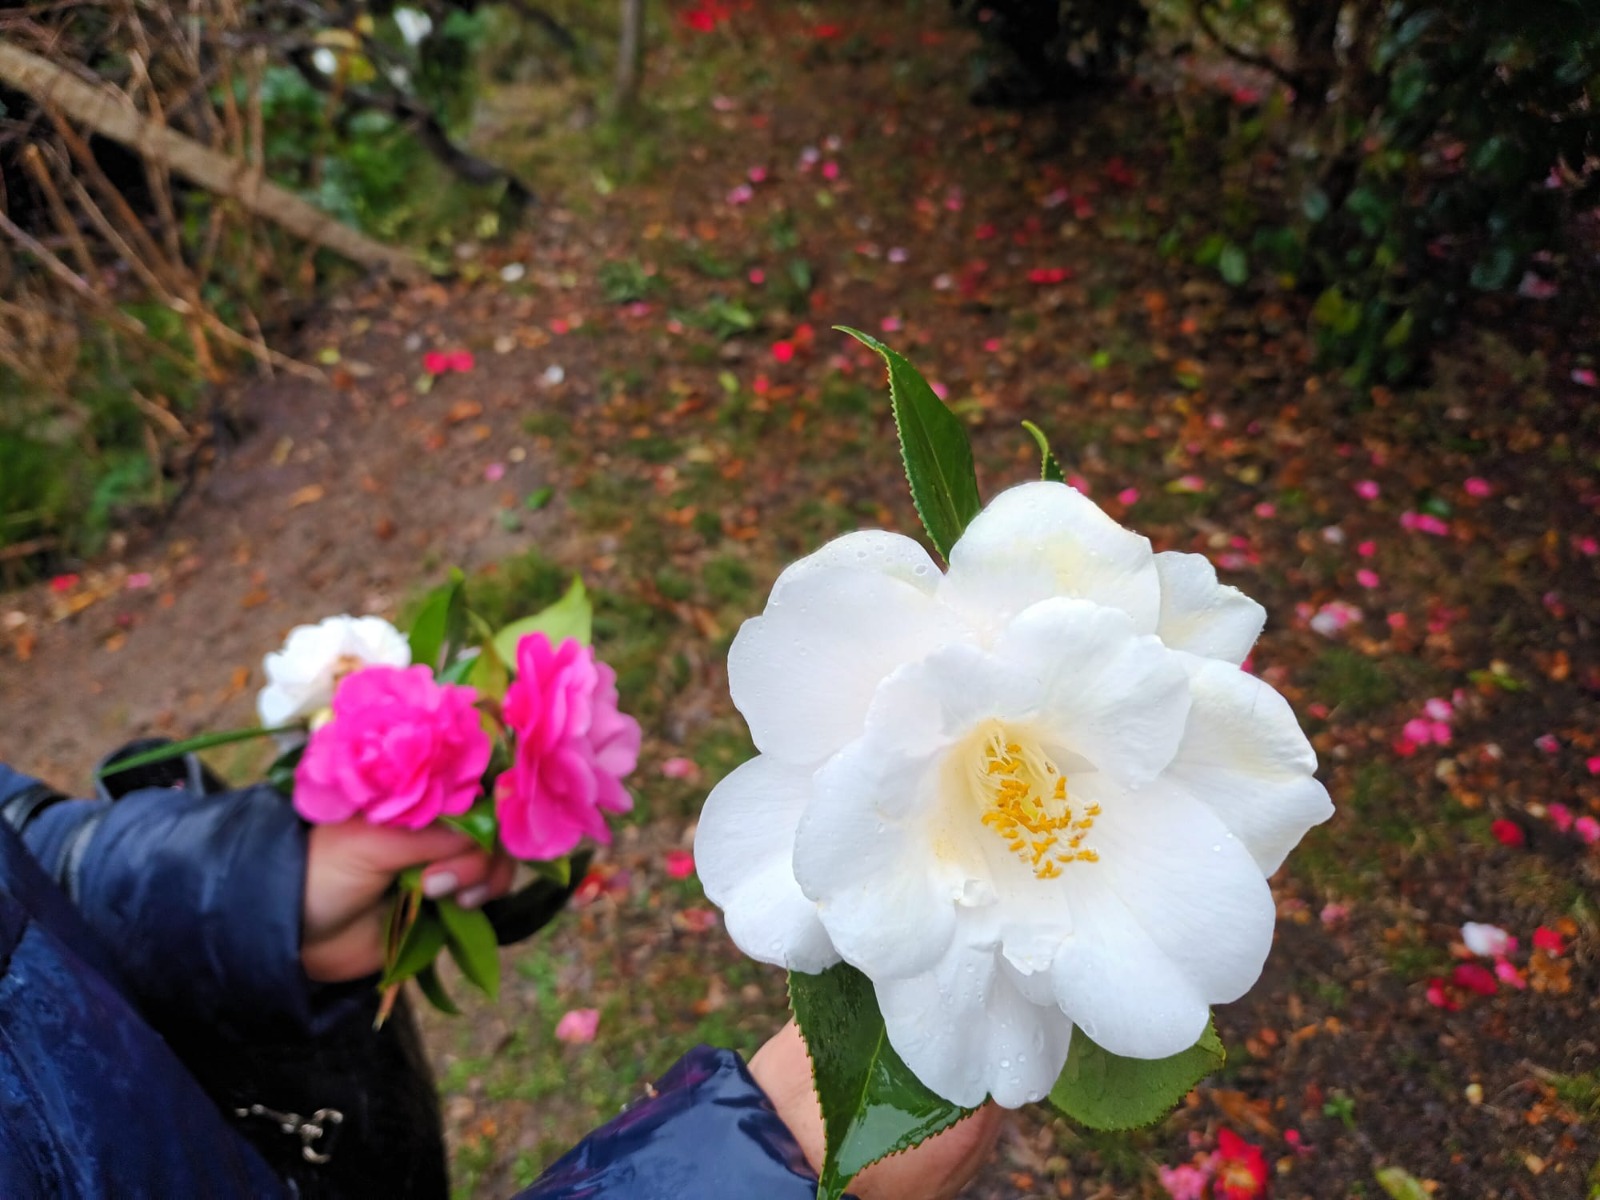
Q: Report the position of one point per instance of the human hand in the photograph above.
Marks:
(936, 1170)
(349, 869)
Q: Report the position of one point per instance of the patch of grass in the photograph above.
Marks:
(728, 580)
(508, 590)
(1352, 683)
(1375, 794)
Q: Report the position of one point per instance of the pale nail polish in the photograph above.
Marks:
(473, 896)
(441, 884)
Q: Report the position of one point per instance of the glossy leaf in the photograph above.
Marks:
(178, 749)
(522, 914)
(572, 616)
(1106, 1091)
(433, 989)
(872, 1104)
(419, 947)
(472, 944)
(479, 823)
(442, 609)
(1049, 468)
(934, 447)
(489, 673)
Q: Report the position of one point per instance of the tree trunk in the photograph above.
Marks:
(112, 115)
(630, 57)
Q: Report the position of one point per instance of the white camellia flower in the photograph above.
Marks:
(301, 677)
(1034, 792)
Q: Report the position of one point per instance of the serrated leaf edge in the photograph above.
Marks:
(895, 406)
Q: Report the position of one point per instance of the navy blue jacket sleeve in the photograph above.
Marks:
(199, 899)
(92, 1102)
(707, 1131)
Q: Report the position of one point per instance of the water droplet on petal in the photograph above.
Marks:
(1217, 849)
(1005, 1065)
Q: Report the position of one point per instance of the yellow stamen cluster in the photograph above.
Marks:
(1029, 807)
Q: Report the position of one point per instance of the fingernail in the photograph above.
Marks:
(473, 896)
(439, 884)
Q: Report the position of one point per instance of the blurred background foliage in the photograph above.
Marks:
(1417, 151)
(1394, 161)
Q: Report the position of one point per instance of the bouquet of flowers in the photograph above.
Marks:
(1010, 824)
(510, 736)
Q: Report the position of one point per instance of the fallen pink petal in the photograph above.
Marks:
(578, 1026)
(679, 767)
(679, 864)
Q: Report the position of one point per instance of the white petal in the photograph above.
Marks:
(864, 854)
(743, 850)
(1202, 616)
(874, 550)
(924, 706)
(967, 1031)
(275, 707)
(1042, 540)
(1116, 984)
(376, 642)
(1191, 886)
(804, 672)
(1243, 754)
(1113, 698)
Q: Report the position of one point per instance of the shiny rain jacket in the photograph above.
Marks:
(168, 908)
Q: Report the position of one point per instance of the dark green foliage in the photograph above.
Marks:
(1442, 190)
(1044, 49)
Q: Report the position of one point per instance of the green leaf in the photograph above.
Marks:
(1049, 469)
(178, 749)
(1315, 205)
(489, 674)
(441, 609)
(472, 944)
(934, 446)
(872, 1105)
(572, 616)
(420, 947)
(1401, 1185)
(478, 823)
(1106, 1091)
(1232, 265)
(522, 914)
(538, 499)
(428, 981)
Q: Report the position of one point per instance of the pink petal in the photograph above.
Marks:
(578, 1027)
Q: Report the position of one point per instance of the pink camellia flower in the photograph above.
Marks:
(578, 1027)
(679, 864)
(1587, 829)
(573, 748)
(401, 750)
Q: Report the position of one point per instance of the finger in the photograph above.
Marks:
(386, 849)
(456, 874)
(502, 875)
(496, 883)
